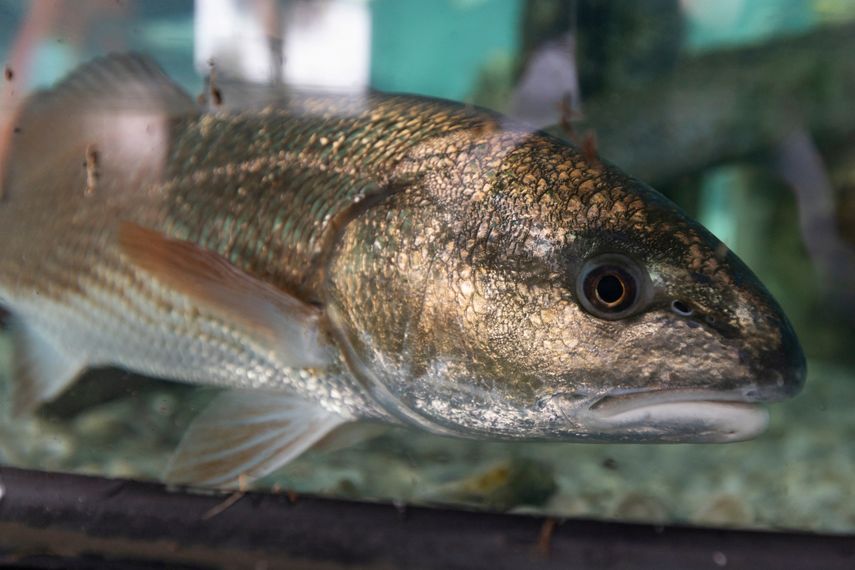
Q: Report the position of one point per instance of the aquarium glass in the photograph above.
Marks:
(739, 111)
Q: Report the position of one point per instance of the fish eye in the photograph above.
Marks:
(612, 286)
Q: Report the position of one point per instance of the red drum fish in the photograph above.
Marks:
(382, 257)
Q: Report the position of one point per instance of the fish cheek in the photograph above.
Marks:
(541, 335)
(540, 342)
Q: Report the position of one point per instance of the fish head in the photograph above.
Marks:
(662, 332)
(553, 297)
(682, 342)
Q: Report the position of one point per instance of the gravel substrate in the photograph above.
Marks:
(799, 475)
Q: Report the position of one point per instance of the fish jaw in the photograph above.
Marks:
(673, 417)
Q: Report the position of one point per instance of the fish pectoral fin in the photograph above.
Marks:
(274, 318)
(40, 370)
(244, 435)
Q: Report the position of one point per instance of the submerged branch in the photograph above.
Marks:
(730, 105)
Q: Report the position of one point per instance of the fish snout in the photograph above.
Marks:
(781, 371)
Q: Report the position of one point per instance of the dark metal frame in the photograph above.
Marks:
(52, 520)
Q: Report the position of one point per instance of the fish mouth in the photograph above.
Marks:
(691, 416)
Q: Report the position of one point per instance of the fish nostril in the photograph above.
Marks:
(681, 308)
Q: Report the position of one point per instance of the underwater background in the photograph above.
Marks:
(740, 111)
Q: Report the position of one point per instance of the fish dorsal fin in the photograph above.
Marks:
(244, 435)
(118, 81)
(107, 122)
(40, 369)
(277, 320)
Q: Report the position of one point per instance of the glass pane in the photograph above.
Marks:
(241, 229)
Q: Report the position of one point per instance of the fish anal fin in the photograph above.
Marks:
(273, 317)
(244, 435)
(40, 370)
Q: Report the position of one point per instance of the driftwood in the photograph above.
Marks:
(730, 105)
(52, 520)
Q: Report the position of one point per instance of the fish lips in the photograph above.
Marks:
(685, 416)
(690, 416)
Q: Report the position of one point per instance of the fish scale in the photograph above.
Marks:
(290, 174)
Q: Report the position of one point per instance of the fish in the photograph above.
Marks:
(331, 259)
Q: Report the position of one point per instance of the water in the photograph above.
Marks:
(729, 153)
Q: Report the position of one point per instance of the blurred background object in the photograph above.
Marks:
(313, 44)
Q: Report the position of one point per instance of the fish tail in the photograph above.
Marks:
(104, 130)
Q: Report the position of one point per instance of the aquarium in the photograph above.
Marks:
(179, 270)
